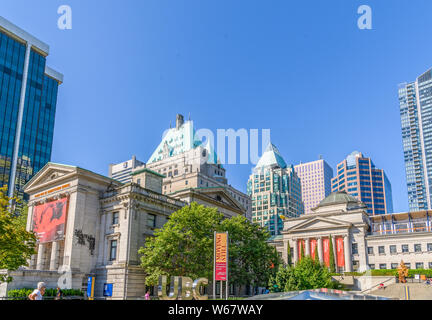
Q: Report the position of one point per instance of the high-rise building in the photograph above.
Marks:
(193, 173)
(123, 171)
(415, 102)
(358, 176)
(28, 99)
(275, 190)
(315, 179)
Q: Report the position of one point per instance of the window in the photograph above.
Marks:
(417, 247)
(394, 265)
(113, 250)
(115, 218)
(370, 250)
(405, 248)
(408, 265)
(372, 266)
(383, 266)
(419, 265)
(381, 250)
(393, 249)
(430, 265)
(429, 247)
(354, 248)
(151, 220)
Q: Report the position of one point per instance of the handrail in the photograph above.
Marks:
(377, 285)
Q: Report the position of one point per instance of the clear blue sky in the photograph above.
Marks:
(301, 68)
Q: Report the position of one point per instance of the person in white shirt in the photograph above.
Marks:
(39, 292)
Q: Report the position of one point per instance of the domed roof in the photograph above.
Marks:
(338, 198)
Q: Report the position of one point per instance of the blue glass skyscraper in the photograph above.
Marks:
(28, 99)
(415, 102)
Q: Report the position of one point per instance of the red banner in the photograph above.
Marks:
(221, 258)
(326, 249)
(313, 247)
(299, 244)
(340, 252)
(49, 220)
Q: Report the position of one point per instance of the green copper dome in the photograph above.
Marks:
(339, 197)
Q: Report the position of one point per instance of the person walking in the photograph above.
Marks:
(59, 294)
(38, 293)
(147, 295)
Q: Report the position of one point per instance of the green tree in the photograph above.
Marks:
(316, 258)
(332, 256)
(184, 247)
(251, 259)
(16, 244)
(304, 276)
(289, 259)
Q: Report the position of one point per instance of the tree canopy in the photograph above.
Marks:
(184, 247)
(16, 244)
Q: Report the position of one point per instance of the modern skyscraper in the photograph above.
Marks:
(358, 176)
(275, 190)
(123, 171)
(28, 99)
(415, 102)
(315, 179)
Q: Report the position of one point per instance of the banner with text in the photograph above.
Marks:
(221, 258)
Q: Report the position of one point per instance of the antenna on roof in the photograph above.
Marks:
(170, 124)
(320, 156)
(189, 116)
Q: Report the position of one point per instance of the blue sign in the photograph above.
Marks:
(108, 289)
(90, 287)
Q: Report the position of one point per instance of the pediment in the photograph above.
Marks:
(50, 173)
(319, 224)
(221, 195)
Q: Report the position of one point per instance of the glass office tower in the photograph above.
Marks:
(415, 102)
(28, 99)
(358, 176)
(275, 189)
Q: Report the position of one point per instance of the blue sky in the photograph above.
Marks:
(301, 68)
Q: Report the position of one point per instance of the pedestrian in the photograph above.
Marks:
(147, 295)
(59, 294)
(39, 292)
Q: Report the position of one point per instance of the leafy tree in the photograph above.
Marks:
(332, 256)
(316, 258)
(16, 244)
(289, 259)
(307, 274)
(184, 247)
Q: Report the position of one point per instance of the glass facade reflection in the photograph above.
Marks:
(26, 121)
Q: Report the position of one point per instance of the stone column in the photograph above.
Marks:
(334, 250)
(307, 244)
(40, 257)
(347, 251)
(320, 249)
(285, 252)
(295, 258)
(54, 256)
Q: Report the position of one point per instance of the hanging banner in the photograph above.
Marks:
(313, 247)
(221, 256)
(340, 252)
(326, 249)
(49, 220)
(299, 244)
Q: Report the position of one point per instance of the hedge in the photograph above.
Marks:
(21, 293)
(389, 272)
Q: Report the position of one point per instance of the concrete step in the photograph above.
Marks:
(417, 291)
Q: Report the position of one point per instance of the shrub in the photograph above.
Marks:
(23, 293)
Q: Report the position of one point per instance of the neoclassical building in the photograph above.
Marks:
(91, 225)
(360, 241)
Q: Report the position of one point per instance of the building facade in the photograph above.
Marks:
(358, 176)
(193, 173)
(123, 171)
(315, 179)
(275, 190)
(360, 241)
(415, 102)
(91, 225)
(28, 100)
